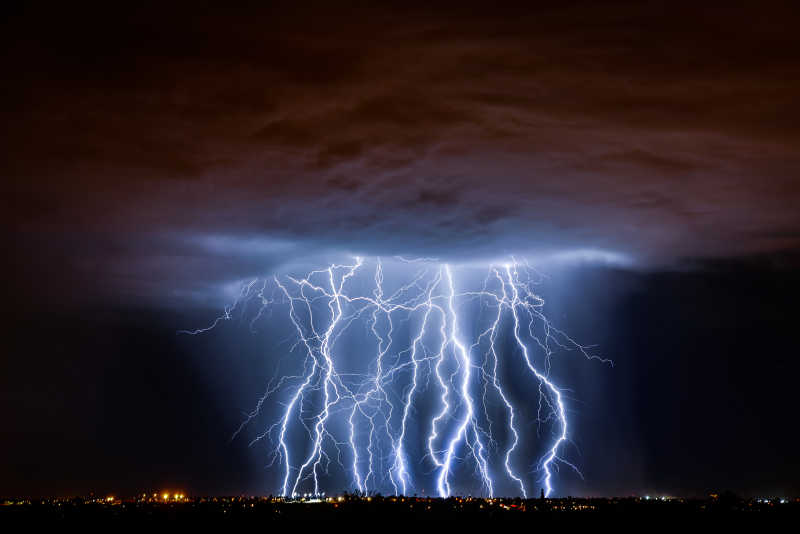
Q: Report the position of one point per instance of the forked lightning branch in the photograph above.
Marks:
(412, 381)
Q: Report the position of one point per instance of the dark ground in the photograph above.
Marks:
(241, 510)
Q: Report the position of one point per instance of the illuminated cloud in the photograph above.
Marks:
(461, 134)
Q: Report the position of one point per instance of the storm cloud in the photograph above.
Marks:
(654, 132)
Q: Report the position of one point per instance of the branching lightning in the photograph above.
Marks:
(412, 385)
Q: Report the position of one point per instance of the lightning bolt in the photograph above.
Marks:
(368, 422)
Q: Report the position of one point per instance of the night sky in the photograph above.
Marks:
(645, 154)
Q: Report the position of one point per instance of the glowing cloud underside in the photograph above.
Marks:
(412, 380)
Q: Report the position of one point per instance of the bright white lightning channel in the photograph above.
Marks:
(432, 401)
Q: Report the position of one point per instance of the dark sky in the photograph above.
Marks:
(155, 155)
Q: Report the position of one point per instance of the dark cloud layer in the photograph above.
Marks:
(657, 130)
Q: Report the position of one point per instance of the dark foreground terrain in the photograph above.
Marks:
(259, 509)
